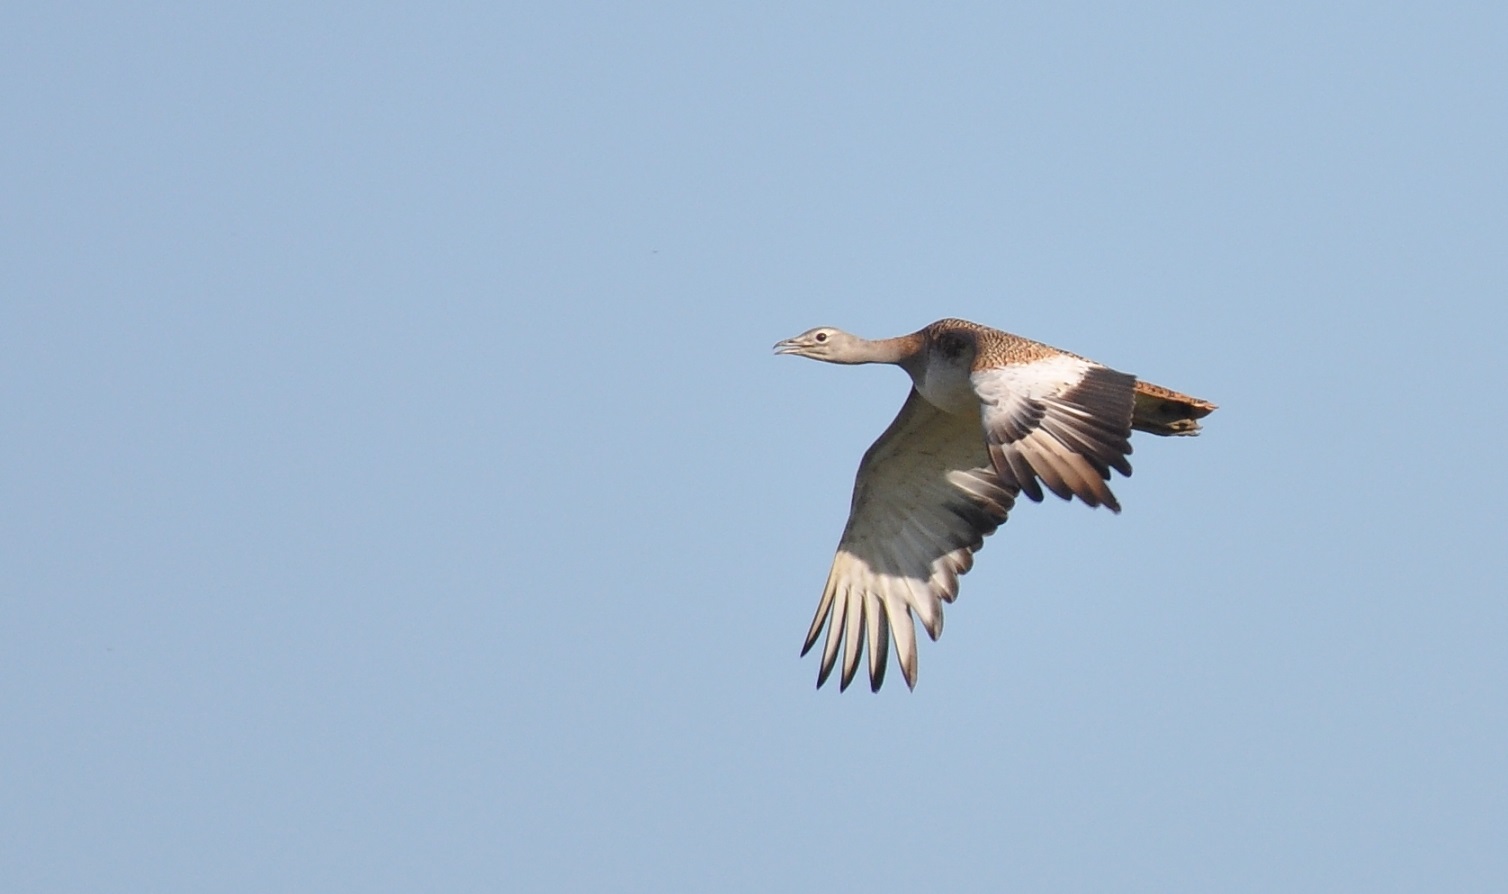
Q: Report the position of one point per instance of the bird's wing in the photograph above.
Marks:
(924, 499)
(1064, 420)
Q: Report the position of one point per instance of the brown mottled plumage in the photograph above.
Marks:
(991, 415)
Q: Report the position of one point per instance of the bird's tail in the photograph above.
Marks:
(1164, 412)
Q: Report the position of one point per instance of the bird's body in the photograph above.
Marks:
(991, 415)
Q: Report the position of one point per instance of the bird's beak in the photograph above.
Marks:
(787, 346)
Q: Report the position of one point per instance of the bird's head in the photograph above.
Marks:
(824, 343)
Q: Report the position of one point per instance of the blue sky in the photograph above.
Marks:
(401, 494)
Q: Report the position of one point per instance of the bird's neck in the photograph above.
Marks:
(903, 351)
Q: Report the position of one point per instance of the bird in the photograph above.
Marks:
(990, 416)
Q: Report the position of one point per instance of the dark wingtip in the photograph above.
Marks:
(823, 673)
(849, 672)
(908, 671)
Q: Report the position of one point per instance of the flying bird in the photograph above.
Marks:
(990, 415)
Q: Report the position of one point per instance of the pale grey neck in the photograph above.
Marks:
(901, 350)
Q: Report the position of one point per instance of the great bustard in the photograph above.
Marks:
(990, 415)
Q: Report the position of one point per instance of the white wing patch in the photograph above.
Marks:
(1063, 421)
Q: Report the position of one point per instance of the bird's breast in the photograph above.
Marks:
(947, 387)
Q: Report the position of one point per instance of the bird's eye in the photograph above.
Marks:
(820, 336)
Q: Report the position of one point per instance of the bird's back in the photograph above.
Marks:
(1157, 410)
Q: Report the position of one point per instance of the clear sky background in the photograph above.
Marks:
(399, 493)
